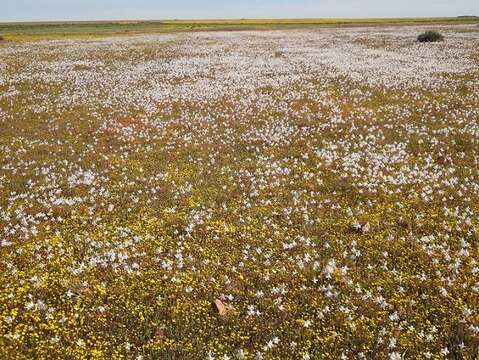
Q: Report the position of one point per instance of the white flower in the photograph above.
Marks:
(394, 356)
(330, 268)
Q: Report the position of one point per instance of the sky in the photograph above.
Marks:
(41, 10)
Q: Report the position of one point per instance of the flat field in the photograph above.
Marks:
(57, 30)
(287, 194)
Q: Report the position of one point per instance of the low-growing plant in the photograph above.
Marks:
(430, 36)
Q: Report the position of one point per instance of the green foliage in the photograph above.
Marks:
(430, 36)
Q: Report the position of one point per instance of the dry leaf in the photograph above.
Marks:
(220, 307)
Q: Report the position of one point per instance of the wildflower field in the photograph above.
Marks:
(55, 30)
(290, 194)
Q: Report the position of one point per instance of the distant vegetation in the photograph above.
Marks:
(430, 36)
(27, 31)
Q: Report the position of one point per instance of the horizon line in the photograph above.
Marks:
(236, 19)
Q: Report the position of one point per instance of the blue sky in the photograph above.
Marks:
(12, 10)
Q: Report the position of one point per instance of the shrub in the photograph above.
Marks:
(430, 36)
(1, 38)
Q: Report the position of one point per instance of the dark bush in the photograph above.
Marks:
(430, 36)
(1, 38)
